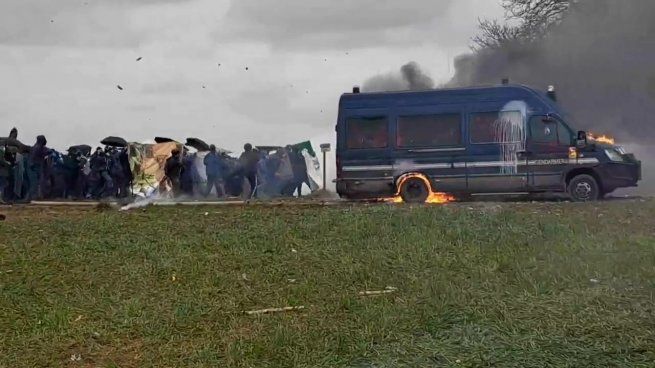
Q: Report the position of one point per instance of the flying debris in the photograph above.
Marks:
(139, 58)
(119, 87)
(246, 68)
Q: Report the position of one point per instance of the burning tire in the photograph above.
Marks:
(584, 188)
(414, 190)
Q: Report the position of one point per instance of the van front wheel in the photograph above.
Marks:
(414, 190)
(584, 188)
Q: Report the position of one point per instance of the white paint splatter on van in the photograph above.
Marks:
(510, 134)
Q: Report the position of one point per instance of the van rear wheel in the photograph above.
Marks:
(414, 190)
(584, 188)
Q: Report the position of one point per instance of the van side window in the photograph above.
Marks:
(497, 127)
(549, 132)
(429, 131)
(367, 132)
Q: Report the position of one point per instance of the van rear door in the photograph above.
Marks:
(364, 153)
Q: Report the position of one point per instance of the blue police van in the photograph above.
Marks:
(504, 139)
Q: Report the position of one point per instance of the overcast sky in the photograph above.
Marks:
(61, 62)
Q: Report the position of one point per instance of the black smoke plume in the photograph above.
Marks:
(410, 77)
(601, 58)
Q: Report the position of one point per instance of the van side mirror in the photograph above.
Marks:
(582, 139)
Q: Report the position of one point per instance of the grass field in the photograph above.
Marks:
(478, 285)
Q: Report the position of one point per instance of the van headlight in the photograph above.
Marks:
(613, 155)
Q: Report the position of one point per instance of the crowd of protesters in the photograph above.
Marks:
(263, 174)
(39, 173)
(36, 172)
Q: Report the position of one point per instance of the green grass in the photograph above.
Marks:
(479, 285)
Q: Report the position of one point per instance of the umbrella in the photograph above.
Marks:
(198, 144)
(114, 142)
(164, 140)
(12, 142)
(84, 149)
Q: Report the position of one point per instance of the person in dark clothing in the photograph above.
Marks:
(36, 166)
(123, 160)
(249, 160)
(299, 167)
(216, 169)
(115, 171)
(100, 180)
(233, 179)
(5, 171)
(119, 171)
(173, 170)
(13, 182)
(83, 171)
(71, 173)
(188, 173)
(54, 176)
(9, 158)
(13, 134)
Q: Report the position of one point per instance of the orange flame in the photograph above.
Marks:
(602, 138)
(433, 197)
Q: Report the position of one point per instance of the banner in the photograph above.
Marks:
(313, 164)
(147, 163)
